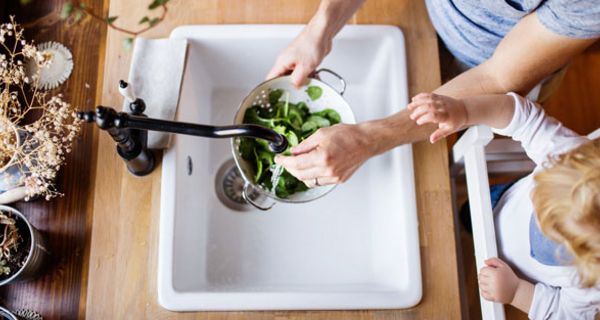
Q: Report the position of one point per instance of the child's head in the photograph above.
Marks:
(566, 199)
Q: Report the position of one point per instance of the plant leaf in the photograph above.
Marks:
(320, 121)
(112, 19)
(78, 15)
(156, 3)
(128, 43)
(154, 21)
(309, 126)
(314, 92)
(144, 19)
(274, 96)
(66, 10)
(259, 167)
(292, 139)
(331, 115)
(246, 148)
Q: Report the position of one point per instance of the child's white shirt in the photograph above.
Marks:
(557, 293)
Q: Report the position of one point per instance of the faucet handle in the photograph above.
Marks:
(136, 105)
(126, 91)
(104, 117)
(88, 116)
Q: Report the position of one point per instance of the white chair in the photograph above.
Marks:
(469, 149)
(474, 150)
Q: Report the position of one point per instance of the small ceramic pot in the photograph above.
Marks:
(6, 314)
(37, 250)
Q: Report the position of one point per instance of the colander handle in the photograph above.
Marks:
(250, 201)
(342, 81)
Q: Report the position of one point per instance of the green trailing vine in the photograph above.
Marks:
(76, 10)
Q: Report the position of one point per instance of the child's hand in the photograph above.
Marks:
(450, 114)
(497, 281)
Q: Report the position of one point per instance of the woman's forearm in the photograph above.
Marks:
(393, 131)
(332, 16)
(479, 80)
(495, 111)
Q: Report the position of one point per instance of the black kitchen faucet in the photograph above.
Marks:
(130, 131)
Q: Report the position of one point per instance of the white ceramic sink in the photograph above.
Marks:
(356, 248)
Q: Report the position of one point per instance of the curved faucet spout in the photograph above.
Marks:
(107, 118)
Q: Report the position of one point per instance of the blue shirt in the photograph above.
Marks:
(471, 29)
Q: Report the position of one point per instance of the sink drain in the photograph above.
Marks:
(229, 185)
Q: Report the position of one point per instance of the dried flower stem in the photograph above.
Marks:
(10, 236)
(36, 131)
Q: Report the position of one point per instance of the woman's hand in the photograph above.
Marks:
(449, 114)
(331, 155)
(302, 56)
(307, 51)
(498, 282)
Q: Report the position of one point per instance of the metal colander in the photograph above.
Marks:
(331, 98)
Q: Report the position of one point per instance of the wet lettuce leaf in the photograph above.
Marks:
(314, 92)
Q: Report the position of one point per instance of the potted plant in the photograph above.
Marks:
(37, 129)
(22, 247)
(5, 314)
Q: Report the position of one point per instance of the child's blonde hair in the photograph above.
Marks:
(566, 199)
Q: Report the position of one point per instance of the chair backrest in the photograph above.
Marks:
(470, 148)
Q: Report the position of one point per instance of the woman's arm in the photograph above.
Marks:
(307, 51)
(527, 54)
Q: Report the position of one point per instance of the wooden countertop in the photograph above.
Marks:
(124, 241)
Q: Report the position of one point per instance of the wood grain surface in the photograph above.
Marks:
(65, 221)
(122, 263)
(576, 102)
(122, 275)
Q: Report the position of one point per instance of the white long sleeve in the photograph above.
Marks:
(564, 303)
(539, 134)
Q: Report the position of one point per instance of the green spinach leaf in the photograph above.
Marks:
(314, 92)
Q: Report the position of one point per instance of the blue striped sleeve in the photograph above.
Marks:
(571, 18)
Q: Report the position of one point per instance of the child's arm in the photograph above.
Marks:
(452, 115)
(509, 115)
(498, 283)
(568, 303)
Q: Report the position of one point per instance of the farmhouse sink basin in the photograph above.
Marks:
(356, 248)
